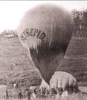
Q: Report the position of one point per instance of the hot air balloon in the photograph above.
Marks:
(45, 32)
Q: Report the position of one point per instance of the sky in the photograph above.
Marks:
(11, 12)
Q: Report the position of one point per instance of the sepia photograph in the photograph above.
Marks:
(43, 50)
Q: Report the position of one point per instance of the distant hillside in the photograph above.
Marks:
(75, 60)
(14, 61)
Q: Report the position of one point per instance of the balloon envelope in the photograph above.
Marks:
(46, 31)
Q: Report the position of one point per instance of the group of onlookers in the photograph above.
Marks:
(30, 94)
(36, 93)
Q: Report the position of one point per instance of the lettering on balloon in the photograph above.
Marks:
(33, 32)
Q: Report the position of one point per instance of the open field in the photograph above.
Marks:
(77, 48)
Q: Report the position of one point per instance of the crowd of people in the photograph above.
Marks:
(37, 93)
(27, 94)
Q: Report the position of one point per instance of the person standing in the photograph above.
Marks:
(20, 95)
(7, 96)
(33, 95)
(28, 94)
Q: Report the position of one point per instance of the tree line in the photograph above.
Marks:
(80, 23)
